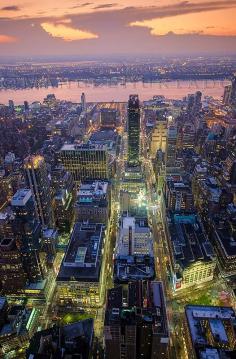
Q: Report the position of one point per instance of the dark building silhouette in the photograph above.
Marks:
(139, 329)
(27, 230)
(64, 190)
(133, 130)
(69, 341)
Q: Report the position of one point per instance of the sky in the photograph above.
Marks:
(123, 27)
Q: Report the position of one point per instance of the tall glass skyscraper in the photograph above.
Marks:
(37, 180)
(133, 130)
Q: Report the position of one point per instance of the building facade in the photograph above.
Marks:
(38, 181)
(86, 161)
(79, 280)
(133, 130)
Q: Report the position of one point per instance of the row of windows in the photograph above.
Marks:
(197, 276)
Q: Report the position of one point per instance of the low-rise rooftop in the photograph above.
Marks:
(21, 197)
(188, 239)
(95, 193)
(211, 328)
(82, 260)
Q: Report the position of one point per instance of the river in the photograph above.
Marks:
(116, 92)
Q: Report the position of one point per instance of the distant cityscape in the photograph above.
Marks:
(118, 219)
(29, 74)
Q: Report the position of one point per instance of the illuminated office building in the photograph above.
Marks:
(12, 274)
(79, 281)
(133, 130)
(86, 161)
(187, 136)
(6, 224)
(179, 195)
(193, 260)
(38, 181)
(159, 135)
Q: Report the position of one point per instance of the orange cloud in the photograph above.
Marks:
(215, 23)
(62, 31)
(5, 39)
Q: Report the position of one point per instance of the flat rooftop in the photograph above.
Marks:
(83, 147)
(82, 260)
(217, 317)
(104, 135)
(189, 242)
(21, 197)
(95, 192)
(127, 270)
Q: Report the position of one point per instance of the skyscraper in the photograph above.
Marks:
(233, 91)
(12, 274)
(27, 230)
(226, 96)
(11, 105)
(133, 130)
(197, 106)
(159, 137)
(26, 106)
(187, 136)
(64, 198)
(194, 103)
(190, 103)
(171, 146)
(37, 180)
(83, 102)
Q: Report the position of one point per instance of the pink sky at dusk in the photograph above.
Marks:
(78, 27)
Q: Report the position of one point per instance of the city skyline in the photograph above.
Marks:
(99, 28)
(118, 179)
